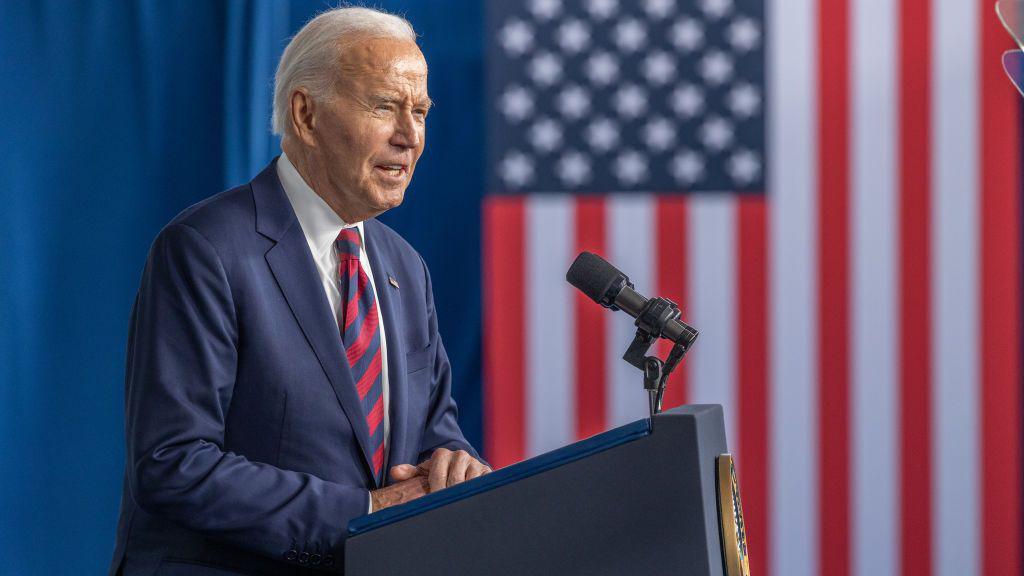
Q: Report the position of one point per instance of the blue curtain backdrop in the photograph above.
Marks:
(115, 117)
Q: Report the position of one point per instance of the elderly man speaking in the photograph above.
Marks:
(284, 369)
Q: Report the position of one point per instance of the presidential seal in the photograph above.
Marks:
(730, 519)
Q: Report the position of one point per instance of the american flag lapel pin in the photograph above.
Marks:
(392, 280)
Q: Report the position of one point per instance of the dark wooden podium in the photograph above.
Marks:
(640, 499)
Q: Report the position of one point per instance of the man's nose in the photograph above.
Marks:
(407, 131)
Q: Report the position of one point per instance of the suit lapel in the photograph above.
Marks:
(296, 274)
(391, 309)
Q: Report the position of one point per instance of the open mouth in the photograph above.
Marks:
(392, 170)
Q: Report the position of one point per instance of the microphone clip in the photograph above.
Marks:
(650, 323)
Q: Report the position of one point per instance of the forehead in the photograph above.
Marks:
(385, 60)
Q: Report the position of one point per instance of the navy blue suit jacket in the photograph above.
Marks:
(247, 448)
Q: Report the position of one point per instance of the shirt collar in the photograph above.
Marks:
(320, 223)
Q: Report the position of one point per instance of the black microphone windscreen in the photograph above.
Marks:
(595, 277)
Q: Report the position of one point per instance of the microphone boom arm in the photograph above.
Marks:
(655, 314)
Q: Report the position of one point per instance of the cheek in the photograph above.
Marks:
(350, 139)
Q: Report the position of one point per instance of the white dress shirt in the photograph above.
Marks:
(321, 226)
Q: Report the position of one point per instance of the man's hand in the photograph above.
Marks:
(444, 468)
(399, 492)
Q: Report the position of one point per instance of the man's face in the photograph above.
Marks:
(372, 133)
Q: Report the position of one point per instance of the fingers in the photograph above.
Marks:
(447, 468)
(476, 469)
(403, 472)
(440, 461)
(459, 464)
(424, 467)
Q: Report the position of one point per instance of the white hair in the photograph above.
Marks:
(310, 60)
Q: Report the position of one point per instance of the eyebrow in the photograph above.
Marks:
(391, 99)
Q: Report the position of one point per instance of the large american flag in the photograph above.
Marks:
(829, 189)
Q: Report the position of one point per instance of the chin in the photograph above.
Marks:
(389, 200)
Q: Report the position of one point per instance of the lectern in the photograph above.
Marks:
(645, 498)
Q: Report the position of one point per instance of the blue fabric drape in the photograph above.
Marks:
(116, 116)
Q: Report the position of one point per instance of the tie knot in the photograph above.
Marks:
(348, 242)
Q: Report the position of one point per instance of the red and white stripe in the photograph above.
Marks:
(860, 323)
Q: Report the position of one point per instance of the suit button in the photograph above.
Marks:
(304, 558)
(315, 559)
(328, 560)
(291, 555)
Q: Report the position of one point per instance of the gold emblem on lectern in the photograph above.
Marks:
(730, 519)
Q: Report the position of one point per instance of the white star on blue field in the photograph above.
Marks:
(609, 95)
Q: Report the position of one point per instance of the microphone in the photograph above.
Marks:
(609, 287)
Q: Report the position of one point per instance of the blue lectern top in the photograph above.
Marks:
(507, 475)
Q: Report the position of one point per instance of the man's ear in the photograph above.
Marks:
(303, 117)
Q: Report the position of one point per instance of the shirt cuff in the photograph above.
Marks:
(369, 503)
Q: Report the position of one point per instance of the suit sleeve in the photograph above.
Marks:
(180, 378)
(442, 426)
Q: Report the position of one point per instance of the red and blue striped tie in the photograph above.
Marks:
(361, 337)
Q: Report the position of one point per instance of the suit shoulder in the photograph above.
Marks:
(221, 216)
(225, 223)
(229, 208)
